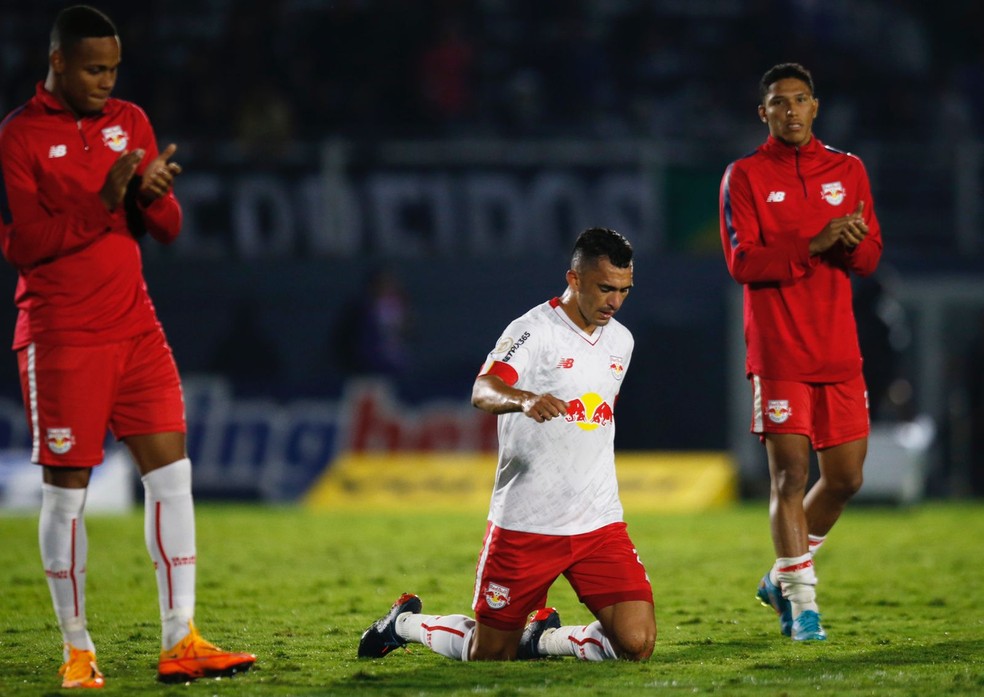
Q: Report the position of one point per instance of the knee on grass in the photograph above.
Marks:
(634, 644)
(499, 653)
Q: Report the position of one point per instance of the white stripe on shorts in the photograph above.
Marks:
(480, 569)
(758, 418)
(32, 401)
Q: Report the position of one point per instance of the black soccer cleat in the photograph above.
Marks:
(381, 637)
(538, 622)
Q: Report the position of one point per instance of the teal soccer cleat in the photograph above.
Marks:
(771, 596)
(807, 627)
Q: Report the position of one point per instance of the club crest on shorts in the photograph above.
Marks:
(496, 596)
(115, 138)
(779, 410)
(833, 193)
(60, 440)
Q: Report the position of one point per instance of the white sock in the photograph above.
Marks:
(447, 635)
(169, 532)
(588, 643)
(798, 580)
(64, 551)
(816, 542)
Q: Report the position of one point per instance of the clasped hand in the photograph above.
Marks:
(156, 181)
(848, 229)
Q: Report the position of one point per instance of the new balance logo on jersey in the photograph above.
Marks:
(57, 151)
(566, 363)
(776, 197)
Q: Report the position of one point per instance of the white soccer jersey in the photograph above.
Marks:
(558, 477)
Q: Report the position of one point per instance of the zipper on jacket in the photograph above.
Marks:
(798, 174)
(85, 143)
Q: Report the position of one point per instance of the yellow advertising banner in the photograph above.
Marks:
(648, 481)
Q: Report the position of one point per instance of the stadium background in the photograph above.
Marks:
(451, 149)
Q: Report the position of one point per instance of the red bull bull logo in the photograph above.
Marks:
(616, 366)
(115, 138)
(603, 415)
(589, 411)
(576, 411)
(779, 410)
(60, 440)
(496, 596)
(833, 193)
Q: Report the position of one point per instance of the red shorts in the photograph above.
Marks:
(828, 414)
(73, 394)
(516, 569)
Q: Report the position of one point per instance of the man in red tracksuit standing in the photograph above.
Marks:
(80, 179)
(797, 218)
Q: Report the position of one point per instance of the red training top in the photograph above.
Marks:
(799, 320)
(80, 273)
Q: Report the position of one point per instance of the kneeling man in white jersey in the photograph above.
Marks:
(553, 379)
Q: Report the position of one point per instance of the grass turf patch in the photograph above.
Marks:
(900, 592)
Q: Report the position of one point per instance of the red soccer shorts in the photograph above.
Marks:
(828, 414)
(73, 394)
(516, 569)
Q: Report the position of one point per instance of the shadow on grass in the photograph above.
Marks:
(712, 665)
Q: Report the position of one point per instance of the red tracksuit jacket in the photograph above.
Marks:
(799, 320)
(80, 272)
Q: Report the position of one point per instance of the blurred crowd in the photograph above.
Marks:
(271, 74)
(301, 70)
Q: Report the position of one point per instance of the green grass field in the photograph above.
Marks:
(900, 589)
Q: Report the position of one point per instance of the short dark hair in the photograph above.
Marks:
(73, 24)
(597, 242)
(781, 72)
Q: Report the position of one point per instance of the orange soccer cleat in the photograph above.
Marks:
(80, 669)
(193, 658)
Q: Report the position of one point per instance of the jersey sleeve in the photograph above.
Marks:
(162, 217)
(863, 259)
(513, 353)
(30, 232)
(626, 361)
(748, 259)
